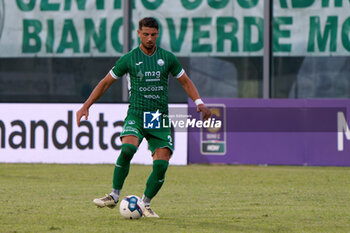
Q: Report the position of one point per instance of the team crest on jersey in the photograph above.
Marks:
(131, 122)
(160, 62)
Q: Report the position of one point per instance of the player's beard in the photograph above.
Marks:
(149, 45)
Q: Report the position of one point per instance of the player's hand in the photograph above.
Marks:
(205, 111)
(83, 111)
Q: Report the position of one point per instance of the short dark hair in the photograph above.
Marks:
(148, 22)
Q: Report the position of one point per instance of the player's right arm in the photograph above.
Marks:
(99, 90)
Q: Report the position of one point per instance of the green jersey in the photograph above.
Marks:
(147, 78)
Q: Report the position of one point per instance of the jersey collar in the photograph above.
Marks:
(147, 54)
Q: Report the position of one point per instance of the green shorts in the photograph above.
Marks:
(156, 138)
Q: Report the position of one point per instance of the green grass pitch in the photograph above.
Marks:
(195, 198)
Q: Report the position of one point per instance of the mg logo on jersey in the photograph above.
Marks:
(2, 16)
(151, 120)
(152, 76)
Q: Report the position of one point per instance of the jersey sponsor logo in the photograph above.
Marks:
(152, 76)
(157, 88)
(151, 120)
(129, 129)
(153, 80)
(154, 97)
(139, 63)
(160, 62)
(131, 122)
(155, 74)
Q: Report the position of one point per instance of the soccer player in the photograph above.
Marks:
(147, 68)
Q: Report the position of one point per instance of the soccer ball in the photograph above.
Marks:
(132, 207)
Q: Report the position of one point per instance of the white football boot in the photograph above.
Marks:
(105, 201)
(148, 213)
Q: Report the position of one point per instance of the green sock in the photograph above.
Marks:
(122, 166)
(156, 179)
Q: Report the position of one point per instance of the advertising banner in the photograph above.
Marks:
(48, 133)
(85, 28)
(276, 132)
(212, 139)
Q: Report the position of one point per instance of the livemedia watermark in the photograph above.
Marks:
(179, 121)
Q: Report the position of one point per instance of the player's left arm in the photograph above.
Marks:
(192, 92)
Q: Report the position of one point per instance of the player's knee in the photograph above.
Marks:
(160, 167)
(128, 151)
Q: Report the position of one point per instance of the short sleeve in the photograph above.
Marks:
(175, 67)
(120, 68)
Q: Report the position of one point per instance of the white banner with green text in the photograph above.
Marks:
(85, 28)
